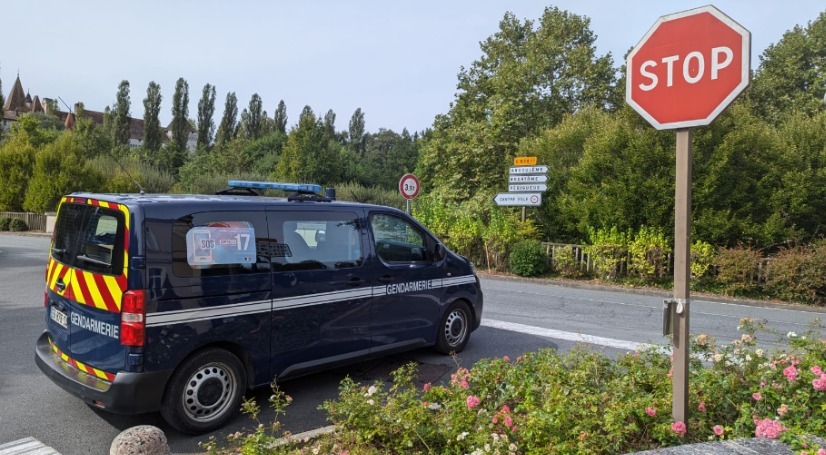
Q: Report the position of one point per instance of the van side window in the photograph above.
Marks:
(397, 240)
(316, 240)
(220, 243)
(89, 238)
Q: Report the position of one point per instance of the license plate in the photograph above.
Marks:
(59, 317)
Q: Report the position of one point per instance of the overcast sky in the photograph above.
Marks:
(396, 60)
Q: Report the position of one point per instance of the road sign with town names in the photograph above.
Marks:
(527, 188)
(529, 170)
(529, 199)
(527, 179)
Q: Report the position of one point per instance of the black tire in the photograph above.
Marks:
(204, 392)
(454, 330)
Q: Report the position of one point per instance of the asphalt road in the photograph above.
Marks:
(519, 317)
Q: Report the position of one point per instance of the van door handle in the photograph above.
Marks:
(355, 282)
(60, 285)
(387, 279)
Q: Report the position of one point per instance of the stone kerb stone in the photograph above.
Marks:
(140, 440)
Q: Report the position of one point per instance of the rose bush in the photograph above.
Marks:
(583, 402)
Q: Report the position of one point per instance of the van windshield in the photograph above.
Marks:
(89, 238)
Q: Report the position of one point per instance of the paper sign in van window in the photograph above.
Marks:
(224, 242)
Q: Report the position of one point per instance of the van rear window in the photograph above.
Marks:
(90, 238)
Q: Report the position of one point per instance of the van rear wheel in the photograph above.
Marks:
(204, 392)
(454, 330)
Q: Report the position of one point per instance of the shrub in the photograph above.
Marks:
(799, 274)
(608, 252)
(648, 254)
(579, 402)
(702, 259)
(4, 224)
(528, 258)
(18, 225)
(738, 269)
(565, 263)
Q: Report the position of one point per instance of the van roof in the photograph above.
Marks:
(223, 201)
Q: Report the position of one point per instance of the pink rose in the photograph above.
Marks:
(757, 396)
(718, 430)
(820, 384)
(651, 411)
(472, 402)
(790, 372)
(816, 370)
(768, 428)
(506, 359)
(679, 428)
(702, 406)
(426, 387)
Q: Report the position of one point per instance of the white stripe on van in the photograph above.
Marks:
(265, 306)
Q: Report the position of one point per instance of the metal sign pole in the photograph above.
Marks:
(682, 276)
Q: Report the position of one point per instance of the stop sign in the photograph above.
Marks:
(688, 68)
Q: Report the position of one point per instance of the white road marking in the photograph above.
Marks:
(567, 336)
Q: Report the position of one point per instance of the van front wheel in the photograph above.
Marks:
(454, 330)
(204, 392)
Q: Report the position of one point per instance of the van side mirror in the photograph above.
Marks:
(439, 252)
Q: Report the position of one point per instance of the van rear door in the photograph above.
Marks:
(86, 278)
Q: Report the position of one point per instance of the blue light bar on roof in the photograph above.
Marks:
(297, 187)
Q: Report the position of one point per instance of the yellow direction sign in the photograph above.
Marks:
(524, 161)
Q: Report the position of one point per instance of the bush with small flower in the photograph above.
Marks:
(585, 402)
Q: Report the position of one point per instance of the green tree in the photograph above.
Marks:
(59, 169)
(206, 124)
(737, 169)
(792, 73)
(529, 76)
(16, 161)
(180, 116)
(2, 104)
(152, 134)
(388, 155)
(624, 177)
(120, 120)
(92, 138)
(228, 127)
(281, 117)
(357, 132)
(330, 124)
(251, 119)
(309, 155)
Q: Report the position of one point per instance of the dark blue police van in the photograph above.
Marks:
(181, 303)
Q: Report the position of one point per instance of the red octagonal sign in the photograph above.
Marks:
(688, 68)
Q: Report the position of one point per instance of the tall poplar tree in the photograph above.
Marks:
(152, 135)
(356, 130)
(180, 113)
(251, 118)
(281, 117)
(2, 103)
(121, 127)
(330, 124)
(227, 129)
(206, 110)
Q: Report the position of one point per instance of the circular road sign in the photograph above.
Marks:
(409, 186)
(688, 68)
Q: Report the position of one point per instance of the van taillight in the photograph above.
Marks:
(132, 318)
